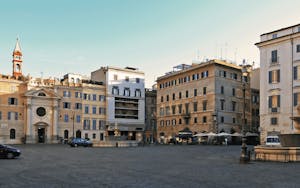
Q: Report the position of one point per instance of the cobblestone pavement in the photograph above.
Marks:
(150, 166)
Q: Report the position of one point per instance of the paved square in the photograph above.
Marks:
(149, 166)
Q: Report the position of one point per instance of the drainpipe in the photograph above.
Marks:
(292, 104)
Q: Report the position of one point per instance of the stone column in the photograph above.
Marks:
(29, 132)
(55, 122)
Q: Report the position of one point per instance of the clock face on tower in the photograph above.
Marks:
(41, 111)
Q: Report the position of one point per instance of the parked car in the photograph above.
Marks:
(272, 141)
(80, 142)
(9, 152)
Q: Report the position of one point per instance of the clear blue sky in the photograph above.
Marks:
(62, 36)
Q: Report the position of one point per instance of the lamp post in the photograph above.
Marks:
(153, 127)
(244, 158)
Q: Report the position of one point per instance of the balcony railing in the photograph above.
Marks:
(274, 110)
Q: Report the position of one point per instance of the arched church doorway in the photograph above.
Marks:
(41, 135)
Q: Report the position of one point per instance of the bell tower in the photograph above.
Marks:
(17, 60)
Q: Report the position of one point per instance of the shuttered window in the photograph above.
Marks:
(274, 76)
(274, 101)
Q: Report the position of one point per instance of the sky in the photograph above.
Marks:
(67, 36)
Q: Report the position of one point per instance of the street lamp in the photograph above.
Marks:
(244, 158)
(153, 127)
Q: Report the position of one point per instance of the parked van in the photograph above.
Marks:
(272, 141)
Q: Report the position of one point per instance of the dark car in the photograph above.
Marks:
(9, 152)
(80, 142)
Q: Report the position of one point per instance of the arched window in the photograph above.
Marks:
(18, 67)
(12, 134)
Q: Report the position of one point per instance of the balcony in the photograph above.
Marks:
(126, 100)
(126, 108)
(126, 116)
(274, 110)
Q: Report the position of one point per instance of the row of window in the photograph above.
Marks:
(197, 76)
(11, 115)
(12, 135)
(223, 73)
(168, 110)
(86, 135)
(195, 120)
(78, 117)
(92, 124)
(204, 92)
(126, 92)
(85, 96)
(67, 118)
(222, 91)
(184, 79)
(137, 80)
(78, 106)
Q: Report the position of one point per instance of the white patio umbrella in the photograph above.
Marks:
(236, 134)
(251, 134)
(200, 134)
(224, 134)
(211, 134)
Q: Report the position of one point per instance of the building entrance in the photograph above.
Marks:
(41, 135)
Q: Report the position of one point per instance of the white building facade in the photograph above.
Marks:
(279, 81)
(125, 94)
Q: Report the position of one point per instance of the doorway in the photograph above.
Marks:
(78, 134)
(41, 135)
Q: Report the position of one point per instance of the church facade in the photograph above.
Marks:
(36, 110)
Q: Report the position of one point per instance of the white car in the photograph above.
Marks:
(272, 141)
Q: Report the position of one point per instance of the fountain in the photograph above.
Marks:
(293, 139)
(289, 149)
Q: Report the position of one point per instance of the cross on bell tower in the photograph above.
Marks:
(17, 60)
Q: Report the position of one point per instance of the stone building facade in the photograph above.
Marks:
(150, 116)
(82, 109)
(36, 110)
(125, 94)
(279, 81)
(12, 110)
(205, 97)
